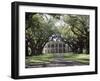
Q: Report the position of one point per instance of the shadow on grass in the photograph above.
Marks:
(49, 58)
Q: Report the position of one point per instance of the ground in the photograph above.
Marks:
(49, 60)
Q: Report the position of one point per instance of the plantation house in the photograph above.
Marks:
(56, 47)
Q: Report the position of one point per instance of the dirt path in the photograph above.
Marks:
(55, 63)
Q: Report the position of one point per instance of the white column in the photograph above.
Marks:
(58, 48)
(62, 47)
(54, 47)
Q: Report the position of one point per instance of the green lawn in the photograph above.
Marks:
(82, 58)
(47, 58)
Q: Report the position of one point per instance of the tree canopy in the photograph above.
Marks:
(38, 30)
(76, 32)
(72, 29)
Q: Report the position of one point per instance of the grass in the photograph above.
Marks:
(47, 58)
(82, 58)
